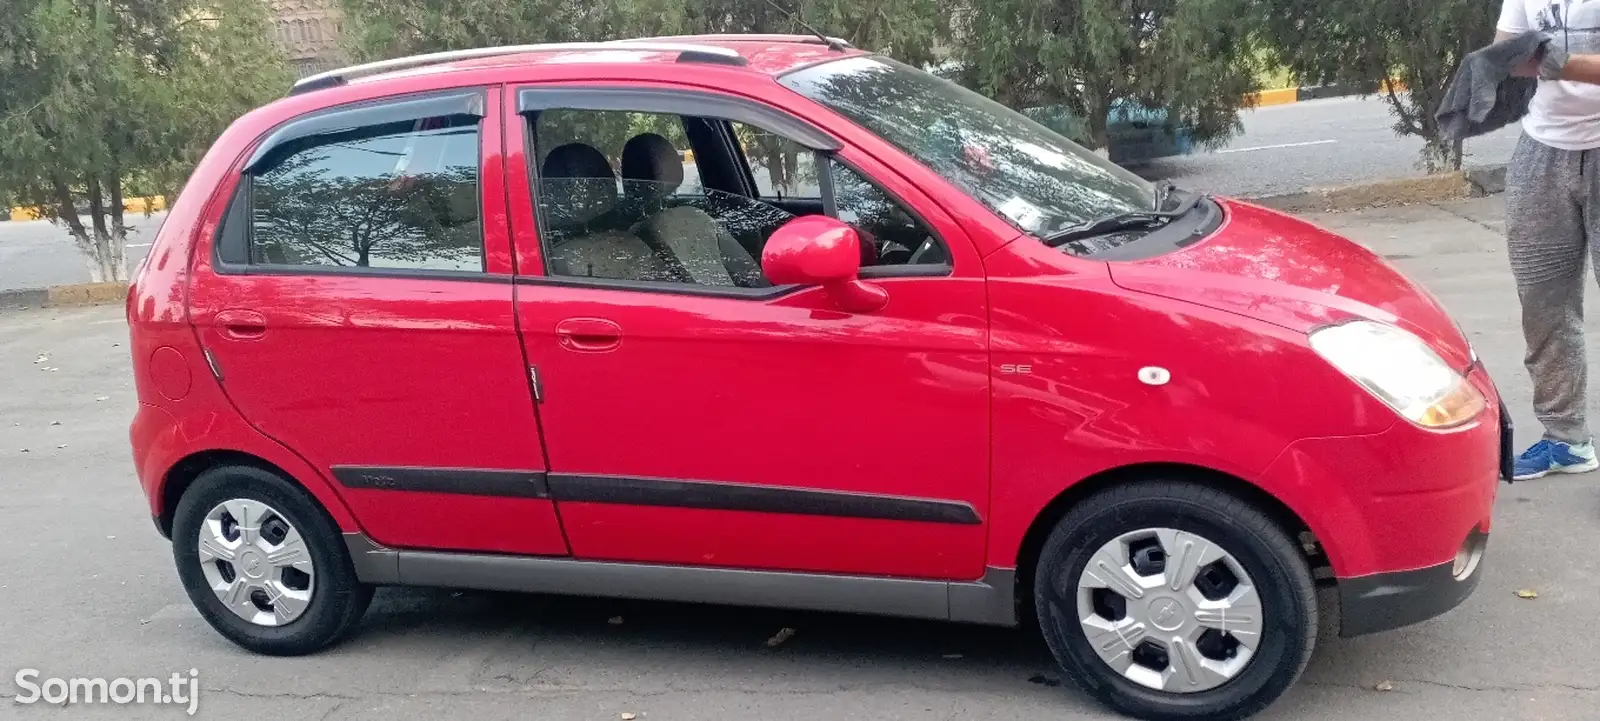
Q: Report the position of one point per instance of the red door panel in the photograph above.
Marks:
(778, 394)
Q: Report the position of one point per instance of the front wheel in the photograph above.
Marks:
(1173, 600)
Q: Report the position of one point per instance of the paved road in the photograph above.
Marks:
(87, 587)
(1285, 148)
(38, 254)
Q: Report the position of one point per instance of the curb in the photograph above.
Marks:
(1469, 183)
(152, 204)
(1284, 96)
(57, 296)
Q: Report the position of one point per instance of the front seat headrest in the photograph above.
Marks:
(578, 183)
(651, 166)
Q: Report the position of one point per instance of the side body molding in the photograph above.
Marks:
(989, 601)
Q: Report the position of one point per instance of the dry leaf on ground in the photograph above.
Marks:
(782, 635)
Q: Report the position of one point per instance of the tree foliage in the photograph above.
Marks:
(1364, 42)
(1193, 58)
(911, 29)
(95, 93)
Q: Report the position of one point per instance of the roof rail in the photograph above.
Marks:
(757, 37)
(687, 53)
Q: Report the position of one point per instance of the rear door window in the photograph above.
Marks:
(399, 195)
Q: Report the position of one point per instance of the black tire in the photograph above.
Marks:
(1272, 560)
(337, 600)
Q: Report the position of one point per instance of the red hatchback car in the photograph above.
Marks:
(768, 320)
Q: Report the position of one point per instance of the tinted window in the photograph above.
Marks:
(619, 198)
(1037, 179)
(399, 195)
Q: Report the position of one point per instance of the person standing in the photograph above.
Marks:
(1552, 218)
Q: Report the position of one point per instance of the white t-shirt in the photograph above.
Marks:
(1564, 114)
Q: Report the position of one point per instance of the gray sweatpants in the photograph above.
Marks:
(1552, 218)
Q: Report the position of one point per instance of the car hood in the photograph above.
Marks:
(1290, 273)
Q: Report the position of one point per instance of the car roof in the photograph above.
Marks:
(758, 54)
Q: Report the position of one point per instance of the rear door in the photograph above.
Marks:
(357, 307)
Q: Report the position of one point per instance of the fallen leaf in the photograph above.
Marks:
(55, 423)
(782, 635)
(41, 359)
(615, 620)
(62, 446)
(144, 621)
(103, 398)
(626, 716)
(1042, 679)
(113, 537)
(1384, 686)
(24, 450)
(1527, 593)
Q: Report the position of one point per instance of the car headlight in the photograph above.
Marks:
(1401, 370)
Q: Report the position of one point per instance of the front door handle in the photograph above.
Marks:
(242, 324)
(588, 335)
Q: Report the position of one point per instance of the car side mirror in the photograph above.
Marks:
(819, 250)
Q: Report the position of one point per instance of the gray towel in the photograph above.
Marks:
(1484, 97)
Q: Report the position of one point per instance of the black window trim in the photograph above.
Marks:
(667, 287)
(367, 113)
(231, 249)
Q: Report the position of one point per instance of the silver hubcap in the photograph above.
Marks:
(1169, 610)
(256, 562)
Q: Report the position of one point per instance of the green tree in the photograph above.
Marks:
(95, 94)
(912, 30)
(1364, 42)
(1192, 58)
(375, 29)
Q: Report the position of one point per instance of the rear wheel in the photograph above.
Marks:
(263, 564)
(1173, 600)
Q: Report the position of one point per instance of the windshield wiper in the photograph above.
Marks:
(1122, 221)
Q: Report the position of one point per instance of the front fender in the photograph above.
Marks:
(1071, 400)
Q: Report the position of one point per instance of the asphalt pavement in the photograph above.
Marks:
(39, 254)
(1286, 148)
(87, 587)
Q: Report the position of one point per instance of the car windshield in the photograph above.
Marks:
(1040, 181)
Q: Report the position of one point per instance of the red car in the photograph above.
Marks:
(768, 320)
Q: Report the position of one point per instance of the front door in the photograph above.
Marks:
(695, 415)
(358, 309)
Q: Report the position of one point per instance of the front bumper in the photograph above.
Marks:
(1385, 601)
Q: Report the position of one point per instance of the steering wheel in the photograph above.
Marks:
(922, 251)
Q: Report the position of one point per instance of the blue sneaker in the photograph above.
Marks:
(1547, 456)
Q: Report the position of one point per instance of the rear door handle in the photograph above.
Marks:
(242, 324)
(588, 335)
